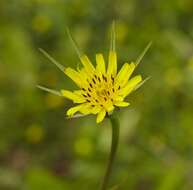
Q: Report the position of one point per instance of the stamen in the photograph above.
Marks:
(113, 90)
(85, 95)
(112, 78)
(88, 95)
(93, 81)
(104, 78)
(99, 79)
(108, 92)
(90, 85)
(105, 98)
(119, 87)
(83, 89)
(89, 89)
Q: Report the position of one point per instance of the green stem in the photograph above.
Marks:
(114, 145)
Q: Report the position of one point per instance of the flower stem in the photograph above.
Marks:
(114, 144)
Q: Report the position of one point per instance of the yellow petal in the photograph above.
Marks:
(95, 109)
(122, 104)
(101, 116)
(112, 65)
(73, 96)
(87, 64)
(109, 106)
(100, 63)
(118, 98)
(73, 110)
(83, 76)
(131, 69)
(124, 74)
(86, 109)
(74, 75)
(78, 92)
(130, 85)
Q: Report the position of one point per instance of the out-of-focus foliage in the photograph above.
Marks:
(40, 149)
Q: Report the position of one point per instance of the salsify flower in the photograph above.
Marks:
(102, 88)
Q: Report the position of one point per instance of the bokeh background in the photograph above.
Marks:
(40, 149)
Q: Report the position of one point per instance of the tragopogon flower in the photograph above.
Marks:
(101, 87)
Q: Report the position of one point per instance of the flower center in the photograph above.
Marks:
(99, 90)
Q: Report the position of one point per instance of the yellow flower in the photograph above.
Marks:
(101, 88)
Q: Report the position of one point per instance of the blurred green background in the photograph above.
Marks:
(40, 149)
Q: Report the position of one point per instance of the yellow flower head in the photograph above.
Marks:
(101, 88)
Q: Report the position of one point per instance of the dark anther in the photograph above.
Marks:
(112, 78)
(83, 89)
(113, 90)
(119, 88)
(105, 78)
(90, 85)
(85, 95)
(105, 98)
(96, 100)
(89, 89)
(99, 79)
(88, 95)
(93, 81)
(108, 92)
(95, 76)
(88, 100)
(92, 105)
